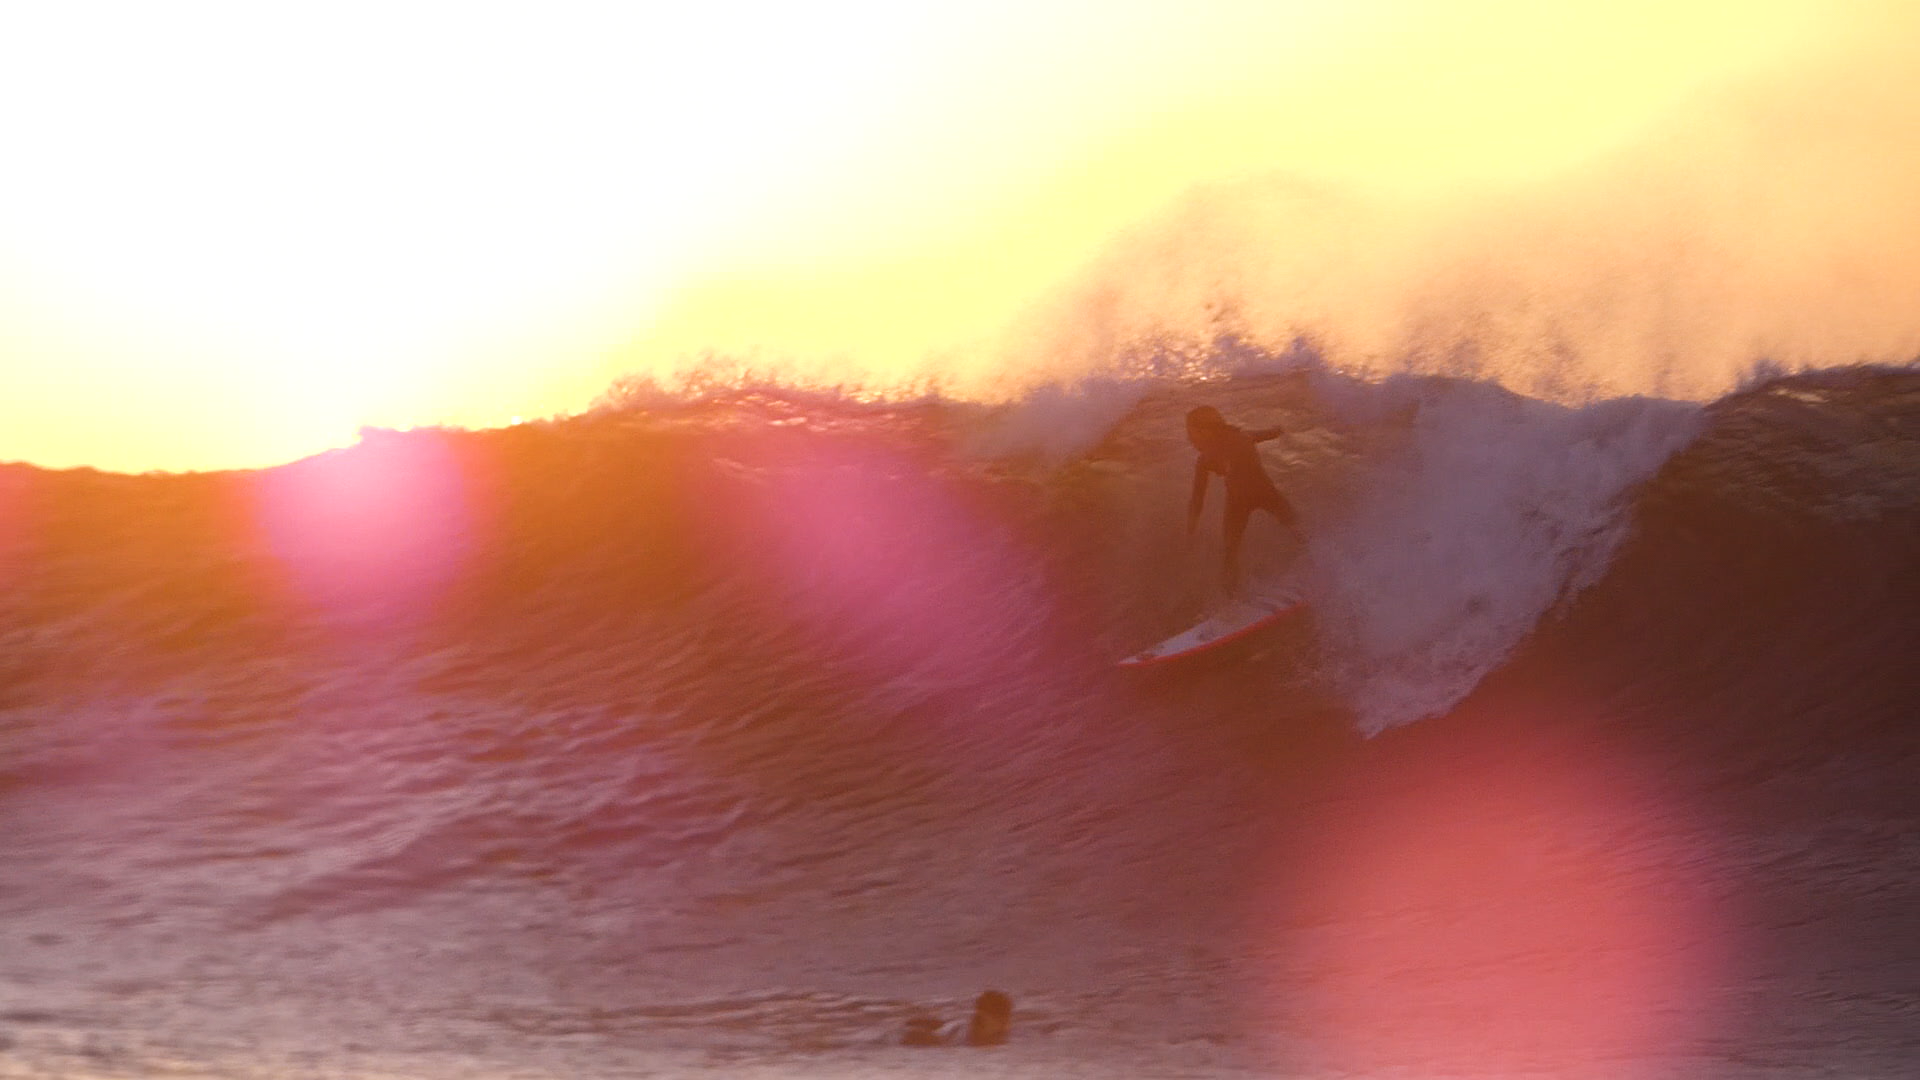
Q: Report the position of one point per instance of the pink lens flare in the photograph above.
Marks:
(377, 531)
(1509, 913)
(889, 568)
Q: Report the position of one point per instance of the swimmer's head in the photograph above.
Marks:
(992, 1015)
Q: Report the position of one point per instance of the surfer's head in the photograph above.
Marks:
(992, 1015)
(1204, 424)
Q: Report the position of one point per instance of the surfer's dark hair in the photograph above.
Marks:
(1205, 416)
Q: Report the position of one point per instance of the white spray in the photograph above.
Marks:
(1497, 508)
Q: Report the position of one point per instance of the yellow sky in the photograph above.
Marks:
(232, 233)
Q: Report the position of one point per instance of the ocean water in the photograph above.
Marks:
(720, 735)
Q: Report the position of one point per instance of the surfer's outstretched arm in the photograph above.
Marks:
(1199, 498)
(1267, 434)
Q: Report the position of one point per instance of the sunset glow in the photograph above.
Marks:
(232, 234)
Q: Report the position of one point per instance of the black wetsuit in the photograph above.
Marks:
(1235, 456)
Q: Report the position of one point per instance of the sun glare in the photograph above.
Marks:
(373, 200)
(233, 232)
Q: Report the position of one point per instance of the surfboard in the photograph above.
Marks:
(1245, 616)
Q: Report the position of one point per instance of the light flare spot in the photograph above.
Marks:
(376, 531)
(1515, 915)
(889, 566)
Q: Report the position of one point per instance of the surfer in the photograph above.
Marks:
(1233, 453)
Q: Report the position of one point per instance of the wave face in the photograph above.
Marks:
(1447, 518)
(761, 720)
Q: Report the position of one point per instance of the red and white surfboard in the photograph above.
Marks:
(1243, 617)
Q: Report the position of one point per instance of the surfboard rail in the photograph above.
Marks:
(1220, 629)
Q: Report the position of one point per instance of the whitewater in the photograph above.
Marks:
(725, 732)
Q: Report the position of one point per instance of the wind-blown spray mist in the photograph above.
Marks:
(1769, 221)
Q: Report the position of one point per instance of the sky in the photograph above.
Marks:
(231, 234)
